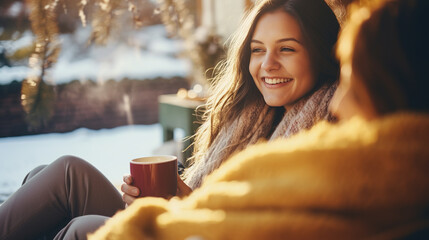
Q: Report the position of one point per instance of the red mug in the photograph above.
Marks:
(155, 176)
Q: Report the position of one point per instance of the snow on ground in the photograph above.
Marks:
(109, 150)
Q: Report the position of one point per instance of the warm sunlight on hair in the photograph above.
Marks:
(347, 35)
(358, 12)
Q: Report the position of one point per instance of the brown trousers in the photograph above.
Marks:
(64, 200)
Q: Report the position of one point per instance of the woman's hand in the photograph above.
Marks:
(183, 190)
(130, 192)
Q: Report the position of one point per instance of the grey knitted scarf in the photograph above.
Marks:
(303, 115)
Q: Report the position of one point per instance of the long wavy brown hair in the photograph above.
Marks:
(234, 87)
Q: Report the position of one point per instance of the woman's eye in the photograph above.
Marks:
(286, 49)
(256, 50)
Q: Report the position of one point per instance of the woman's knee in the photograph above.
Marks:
(73, 162)
(61, 163)
(70, 160)
(74, 165)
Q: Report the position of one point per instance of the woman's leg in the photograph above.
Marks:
(79, 227)
(67, 188)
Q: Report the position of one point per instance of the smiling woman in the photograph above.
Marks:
(280, 63)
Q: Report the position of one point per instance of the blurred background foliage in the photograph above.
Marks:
(109, 20)
(203, 46)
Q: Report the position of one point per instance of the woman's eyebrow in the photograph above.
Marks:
(288, 39)
(256, 41)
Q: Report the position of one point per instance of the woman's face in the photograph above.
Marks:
(351, 97)
(279, 62)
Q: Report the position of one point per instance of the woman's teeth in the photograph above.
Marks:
(277, 80)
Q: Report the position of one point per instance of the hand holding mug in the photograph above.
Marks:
(154, 176)
(131, 192)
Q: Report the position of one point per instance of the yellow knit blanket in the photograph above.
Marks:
(355, 180)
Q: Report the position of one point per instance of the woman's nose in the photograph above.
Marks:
(270, 62)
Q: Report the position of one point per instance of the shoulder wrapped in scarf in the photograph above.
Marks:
(258, 121)
(357, 180)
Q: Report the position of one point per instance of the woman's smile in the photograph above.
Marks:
(276, 80)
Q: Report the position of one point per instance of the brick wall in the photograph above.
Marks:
(89, 105)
